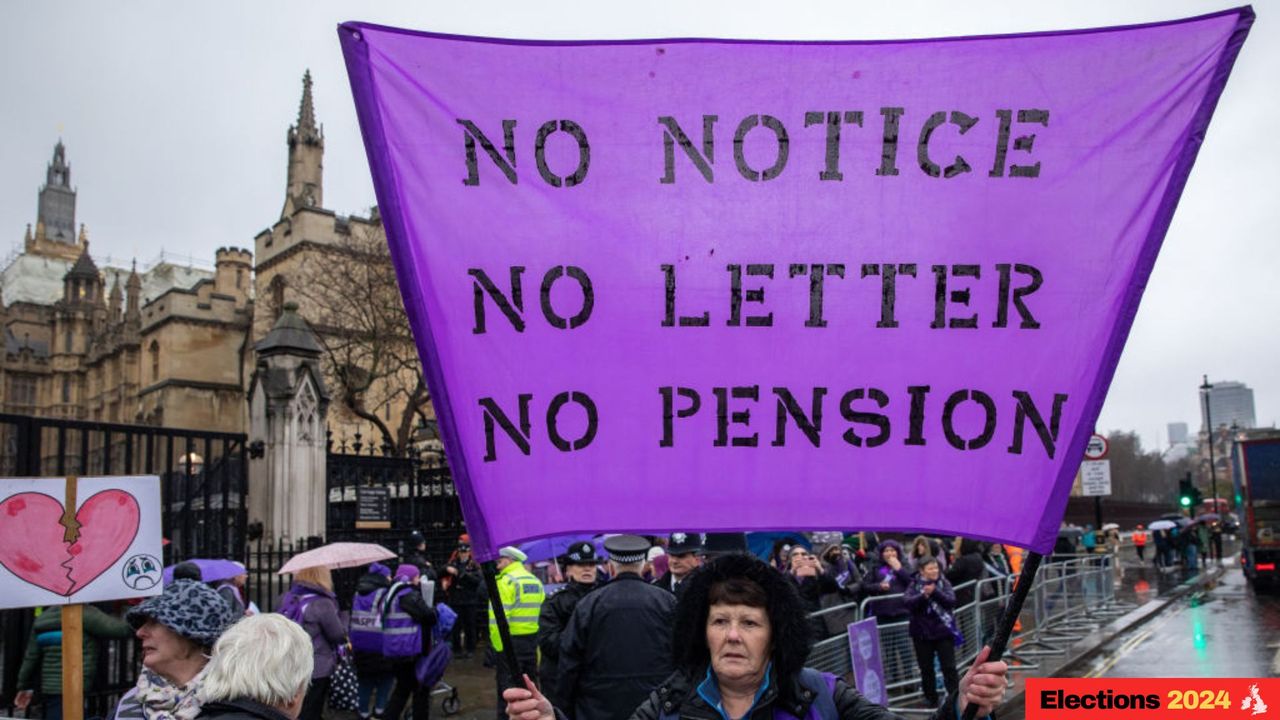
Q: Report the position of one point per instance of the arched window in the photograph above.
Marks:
(154, 351)
(277, 294)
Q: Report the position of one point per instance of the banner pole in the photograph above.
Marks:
(1011, 611)
(73, 662)
(490, 569)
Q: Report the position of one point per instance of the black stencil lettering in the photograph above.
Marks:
(1025, 142)
(494, 415)
(817, 286)
(588, 297)
(741, 417)
(584, 153)
(989, 422)
(1027, 410)
(881, 422)
(507, 165)
(810, 425)
(669, 413)
(888, 288)
(889, 148)
(1002, 143)
(739, 153)
(553, 416)
(482, 285)
(674, 135)
(850, 117)
(915, 435)
(669, 319)
(1028, 321)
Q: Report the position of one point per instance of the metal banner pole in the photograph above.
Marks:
(1011, 611)
(490, 569)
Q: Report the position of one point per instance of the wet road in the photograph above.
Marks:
(1225, 630)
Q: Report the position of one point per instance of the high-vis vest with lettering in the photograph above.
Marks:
(521, 595)
(366, 621)
(401, 634)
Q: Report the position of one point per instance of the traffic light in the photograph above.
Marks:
(1186, 492)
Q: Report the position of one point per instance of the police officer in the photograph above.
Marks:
(580, 568)
(684, 555)
(418, 555)
(617, 646)
(521, 595)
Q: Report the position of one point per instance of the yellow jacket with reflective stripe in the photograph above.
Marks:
(521, 595)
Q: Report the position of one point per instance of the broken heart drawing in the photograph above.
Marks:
(63, 549)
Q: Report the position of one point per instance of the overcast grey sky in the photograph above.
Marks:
(174, 116)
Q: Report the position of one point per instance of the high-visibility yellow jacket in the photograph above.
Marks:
(521, 595)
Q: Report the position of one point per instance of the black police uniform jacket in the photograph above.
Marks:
(677, 696)
(616, 649)
(553, 618)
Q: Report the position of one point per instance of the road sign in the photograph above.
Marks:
(1095, 478)
(1097, 448)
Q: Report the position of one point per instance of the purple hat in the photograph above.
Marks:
(380, 569)
(408, 572)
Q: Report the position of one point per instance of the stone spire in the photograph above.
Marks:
(57, 208)
(307, 112)
(133, 292)
(113, 301)
(306, 156)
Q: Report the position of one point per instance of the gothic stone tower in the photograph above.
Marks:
(306, 157)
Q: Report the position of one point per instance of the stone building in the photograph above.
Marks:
(161, 346)
(173, 343)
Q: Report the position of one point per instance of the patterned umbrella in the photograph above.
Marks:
(337, 555)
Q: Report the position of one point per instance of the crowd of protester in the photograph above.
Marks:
(597, 646)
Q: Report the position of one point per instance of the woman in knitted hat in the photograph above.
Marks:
(177, 630)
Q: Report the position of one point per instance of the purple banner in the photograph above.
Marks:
(740, 285)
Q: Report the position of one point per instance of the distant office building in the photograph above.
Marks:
(1229, 402)
(1177, 433)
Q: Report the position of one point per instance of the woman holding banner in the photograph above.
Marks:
(741, 641)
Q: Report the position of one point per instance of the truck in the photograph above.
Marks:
(1255, 465)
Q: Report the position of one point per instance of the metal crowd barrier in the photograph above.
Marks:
(1072, 596)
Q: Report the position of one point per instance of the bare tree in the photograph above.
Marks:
(348, 292)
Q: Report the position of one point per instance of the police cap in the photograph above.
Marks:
(580, 553)
(681, 543)
(627, 549)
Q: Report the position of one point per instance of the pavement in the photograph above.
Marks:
(1158, 596)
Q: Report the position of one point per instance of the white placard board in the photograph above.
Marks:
(108, 549)
(1095, 478)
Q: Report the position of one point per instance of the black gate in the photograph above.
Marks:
(203, 484)
(420, 496)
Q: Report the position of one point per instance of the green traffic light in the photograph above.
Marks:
(1186, 501)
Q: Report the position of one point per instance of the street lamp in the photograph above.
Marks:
(1208, 419)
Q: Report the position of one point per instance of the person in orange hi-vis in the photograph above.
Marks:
(1140, 543)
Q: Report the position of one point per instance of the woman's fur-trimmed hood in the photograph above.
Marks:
(790, 631)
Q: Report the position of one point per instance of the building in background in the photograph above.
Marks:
(1230, 403)
(172, 343)
(115, 344)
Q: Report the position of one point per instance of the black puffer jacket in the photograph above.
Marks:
(616, 649)
(241, 709)
(553, 618)
(678, 696)
(968, 566)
